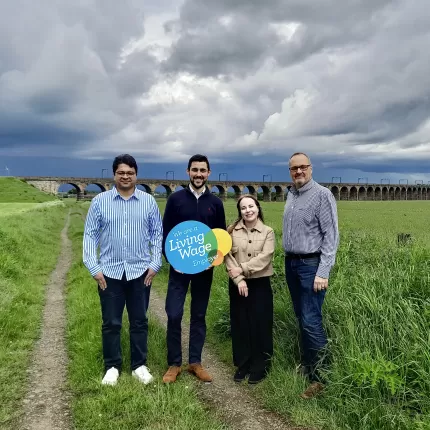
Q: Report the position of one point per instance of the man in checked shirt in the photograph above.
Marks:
(310, 240)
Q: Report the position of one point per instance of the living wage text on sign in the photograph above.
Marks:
(192, 247)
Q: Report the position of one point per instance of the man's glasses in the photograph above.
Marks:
(131, 174)
(302, 168)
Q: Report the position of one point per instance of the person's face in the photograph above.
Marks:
(125, 177)
(248, 210)
(300, 170)
(198, 173)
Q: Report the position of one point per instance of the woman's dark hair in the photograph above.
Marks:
(239, 215)
(124, 159)
(198, 158)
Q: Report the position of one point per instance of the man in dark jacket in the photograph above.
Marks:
(194, 203)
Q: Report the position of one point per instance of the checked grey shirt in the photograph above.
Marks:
(310, 224)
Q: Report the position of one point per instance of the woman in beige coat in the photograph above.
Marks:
(249, 266)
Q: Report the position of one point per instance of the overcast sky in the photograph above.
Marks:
(247, 82)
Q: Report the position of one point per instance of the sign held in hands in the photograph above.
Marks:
(192, 247)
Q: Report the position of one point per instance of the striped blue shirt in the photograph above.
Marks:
(310, 224)
(128, 232)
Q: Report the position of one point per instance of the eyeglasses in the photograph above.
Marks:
(131, 174)
(302, 168)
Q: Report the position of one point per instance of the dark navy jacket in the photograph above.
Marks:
(183, 206)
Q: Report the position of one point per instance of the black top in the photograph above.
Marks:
(184, 206)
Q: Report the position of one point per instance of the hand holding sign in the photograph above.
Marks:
(192, 247)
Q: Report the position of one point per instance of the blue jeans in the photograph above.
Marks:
(135, 296)
(176, 292)
(300, 275)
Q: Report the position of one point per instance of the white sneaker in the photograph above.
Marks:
(111, 377)
(142, 374)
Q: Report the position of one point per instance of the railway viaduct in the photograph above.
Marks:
(341, 191)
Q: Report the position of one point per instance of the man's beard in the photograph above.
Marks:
(196, 186)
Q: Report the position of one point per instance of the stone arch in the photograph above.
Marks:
(353, 195)
(419, 193)
(91, 190)
(424, 197)
(145, 188)
(77, 190)
(414, 193)
(162, 189)
(362, 193)
(397, 193)
(265, 190)
(335, 192)
(378, 193)
(403, 193)
(220, 191)
(384, 193)
(370, 193)
(344, 193)
(390, 193)
(277, 193)
(236, 190)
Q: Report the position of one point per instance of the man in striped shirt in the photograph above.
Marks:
(125, 223)
(310, 241)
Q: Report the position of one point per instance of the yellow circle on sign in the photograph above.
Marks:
(223, 239)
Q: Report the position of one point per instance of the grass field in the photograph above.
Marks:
(377, 314)
(29, 246)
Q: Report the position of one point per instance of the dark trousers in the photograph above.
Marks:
(307, 303)
(135, 295)
(251, 321)
(176, 292)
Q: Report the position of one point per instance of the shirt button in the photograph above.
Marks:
(250, 241)
(249, 255)
(252, 230)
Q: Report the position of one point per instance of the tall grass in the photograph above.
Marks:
(377, 316)
(29, 247)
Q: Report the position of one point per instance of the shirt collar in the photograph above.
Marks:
(135, 194)
(305, 187)
(258, 226)
(197, 194)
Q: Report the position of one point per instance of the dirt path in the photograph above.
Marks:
(46, 403)
(233, 402)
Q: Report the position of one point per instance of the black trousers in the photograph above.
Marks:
(135, 296)
(251, 321)
(176, 292)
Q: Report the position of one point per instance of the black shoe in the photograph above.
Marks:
(240, 375)
(256, 377)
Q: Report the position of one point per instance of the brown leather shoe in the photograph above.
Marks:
(314, 389)
(202, 374)
(171, 374)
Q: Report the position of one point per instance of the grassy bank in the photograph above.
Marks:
(377, 315)
(14, 190)
(129, 405)
(29, 247)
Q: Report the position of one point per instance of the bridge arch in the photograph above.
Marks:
(424, 196)
(77, 190)
(397, 193)
(335, 191)
(344, 193)
(370, 193)
(378, 193)
(145, 188)
(390, 193)
(163, 188)
(278, 193)
(403, 193)
(362, 193)
(219, 190)
(353, 194)
(236, 190)
(384, 193)
(265, 190)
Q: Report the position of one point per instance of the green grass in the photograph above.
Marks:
(14, 190)
(377, 315)
(129, 405)
(29, 246)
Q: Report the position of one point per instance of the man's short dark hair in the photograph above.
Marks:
(124, 159)
(198, 158)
